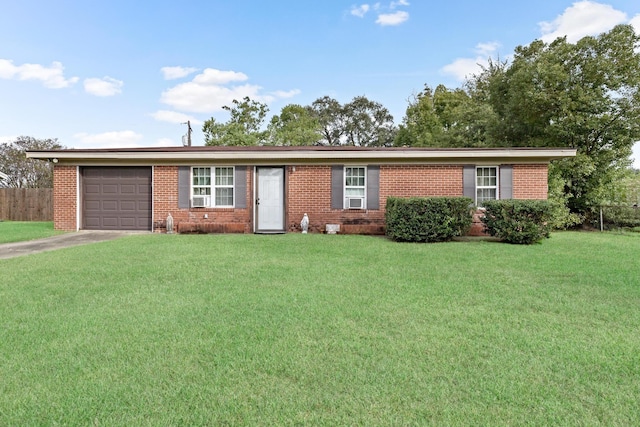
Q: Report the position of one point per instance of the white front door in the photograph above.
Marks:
(270, 200)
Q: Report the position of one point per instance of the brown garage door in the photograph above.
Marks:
(116, 198)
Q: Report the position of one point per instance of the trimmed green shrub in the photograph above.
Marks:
(521, 222)
(432, 219)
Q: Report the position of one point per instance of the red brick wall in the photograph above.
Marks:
(420, 180)
(65, 195)
(165, 201)
(309, 191)
(530, 181)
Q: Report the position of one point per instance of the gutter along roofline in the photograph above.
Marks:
(300, 155)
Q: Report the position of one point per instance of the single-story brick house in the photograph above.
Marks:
(269, 189)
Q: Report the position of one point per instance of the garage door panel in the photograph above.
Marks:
(131, 173)
(128, 223)
(109, 189)
(116, 198)
(128, 205)
(92, 205)
(128, 188)
(92, 189)
(109, 222)
(91, 173)
(92, 222)
(109, 205)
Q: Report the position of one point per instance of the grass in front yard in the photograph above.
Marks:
(316, 329)
(18, 231)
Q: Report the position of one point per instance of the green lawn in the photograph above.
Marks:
(18, 231)
(322, 330)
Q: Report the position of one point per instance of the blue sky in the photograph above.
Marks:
(126, 73)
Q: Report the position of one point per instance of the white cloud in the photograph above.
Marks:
(279, 94)
(395, 4)
(384, 19)
(116, 139)
(635, 155)
(211, 76)
(51, 77)
(105, 86)
(396, 18)
(462, 68)
(635, 22)
(166, 142)
(174, 117)
(582, 19)
(286, 94)
(360, 11)
(171, 73)
(209, 91)
(486, 50)
(197, 98)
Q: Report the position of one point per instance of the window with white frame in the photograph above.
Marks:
(355, 185)
(212, 186)
(486, 184)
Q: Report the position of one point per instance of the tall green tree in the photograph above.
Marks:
(368, 123)
(244, 127)
(420, 126)
(295, 125)
(361, 122)
(584, 95)
(446, 118)
(330, 116)
(23, 172)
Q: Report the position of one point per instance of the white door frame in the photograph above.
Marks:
(280, 227)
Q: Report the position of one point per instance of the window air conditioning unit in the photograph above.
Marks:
(200, 201)
(355, 202)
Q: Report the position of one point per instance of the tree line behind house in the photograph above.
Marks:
(583, 95)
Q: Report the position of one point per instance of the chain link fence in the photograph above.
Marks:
(620, 217)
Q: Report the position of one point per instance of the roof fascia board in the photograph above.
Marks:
(301, 157)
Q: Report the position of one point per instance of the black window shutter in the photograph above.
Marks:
(469, 181)
(373, 187)
(506, 182)
(337, 187)
(240, 184)
(184, 187)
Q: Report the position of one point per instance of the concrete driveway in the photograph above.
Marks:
(12, 250)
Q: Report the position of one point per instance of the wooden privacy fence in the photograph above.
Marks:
(26, 204)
